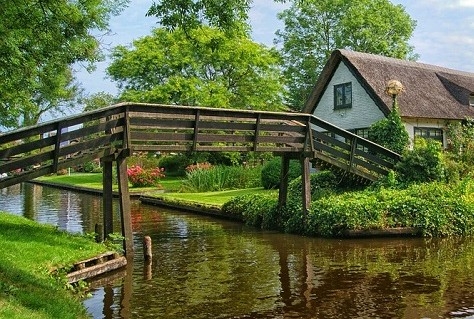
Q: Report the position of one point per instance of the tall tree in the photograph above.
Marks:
(203, 66)
(41, 40)
(225, 15)
(314, 28)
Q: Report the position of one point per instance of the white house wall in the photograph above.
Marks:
(363, 112)
(411, 123)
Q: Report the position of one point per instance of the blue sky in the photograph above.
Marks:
(444, 34)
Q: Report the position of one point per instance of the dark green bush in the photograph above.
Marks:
(271, 172)
(175, 165)
(422, 164)
(322, 184)
(256, 210)
(390, 132)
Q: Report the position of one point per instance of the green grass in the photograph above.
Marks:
(94, 181)
(212, 198)
(28, 253)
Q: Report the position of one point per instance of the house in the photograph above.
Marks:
(351, 93)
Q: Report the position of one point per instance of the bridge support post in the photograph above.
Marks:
(306, 182)
(107, 197)
(125, 206)
(283, 191)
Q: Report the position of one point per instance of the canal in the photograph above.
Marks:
(208, 268)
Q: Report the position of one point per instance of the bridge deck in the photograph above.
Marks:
(126, 128)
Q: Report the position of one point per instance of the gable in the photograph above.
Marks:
(363, 112)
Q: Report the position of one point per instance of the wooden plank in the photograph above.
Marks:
(93, 271)
(375, 159)
(86, 131)
(152, 123)
(27, 147)
(160, 137)
(24, 162)
(320, 147)
(26, 176)
(90, 144)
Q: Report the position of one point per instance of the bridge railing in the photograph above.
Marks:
(47, 148)
(165, 128)
(350, 152)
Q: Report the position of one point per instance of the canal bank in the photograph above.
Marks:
(215, 210)
(28, 255)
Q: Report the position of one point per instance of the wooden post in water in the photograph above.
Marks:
(306, 181)
(283, 191)
(107, 197)
(125, 207)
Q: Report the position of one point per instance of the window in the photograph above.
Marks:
(343, 96)
(429, 133)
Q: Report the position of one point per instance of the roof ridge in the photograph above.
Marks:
(413, 64)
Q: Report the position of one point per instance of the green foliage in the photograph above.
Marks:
(147, 161)
(314, 28)
(256, 210)
(459, 159)
(204, 67)
(422, 164)
(97, 101)
(271, 172)
(175, 165)
(390, 132)
(436, 209)
(41, 41)
(226, 15)
(219, 178)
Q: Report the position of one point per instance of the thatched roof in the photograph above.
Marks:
(429, 91)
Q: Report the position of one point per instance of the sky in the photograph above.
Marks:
(444, 35)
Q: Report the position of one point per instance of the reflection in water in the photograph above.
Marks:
(207, 268)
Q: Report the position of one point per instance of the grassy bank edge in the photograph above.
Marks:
(28, 254)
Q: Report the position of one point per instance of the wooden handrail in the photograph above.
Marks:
(46, 148)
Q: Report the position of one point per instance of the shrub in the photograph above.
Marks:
(146, 161)
(271, 172)
(175, 165)
(219, 178)
(422, 164)
(436, 209)
(140, 177)
(390, 132)
(256, 210)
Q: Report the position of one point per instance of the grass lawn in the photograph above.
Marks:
(29, 251)
(171, 185)
(94, 180)
(212, 198)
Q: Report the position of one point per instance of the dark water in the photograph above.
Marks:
(208, 268)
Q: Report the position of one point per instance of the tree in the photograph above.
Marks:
(314, 28)
(203, 66)
(97, 101)
(225, 15)
(41, 40)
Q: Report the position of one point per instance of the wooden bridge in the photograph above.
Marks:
(112, 134)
